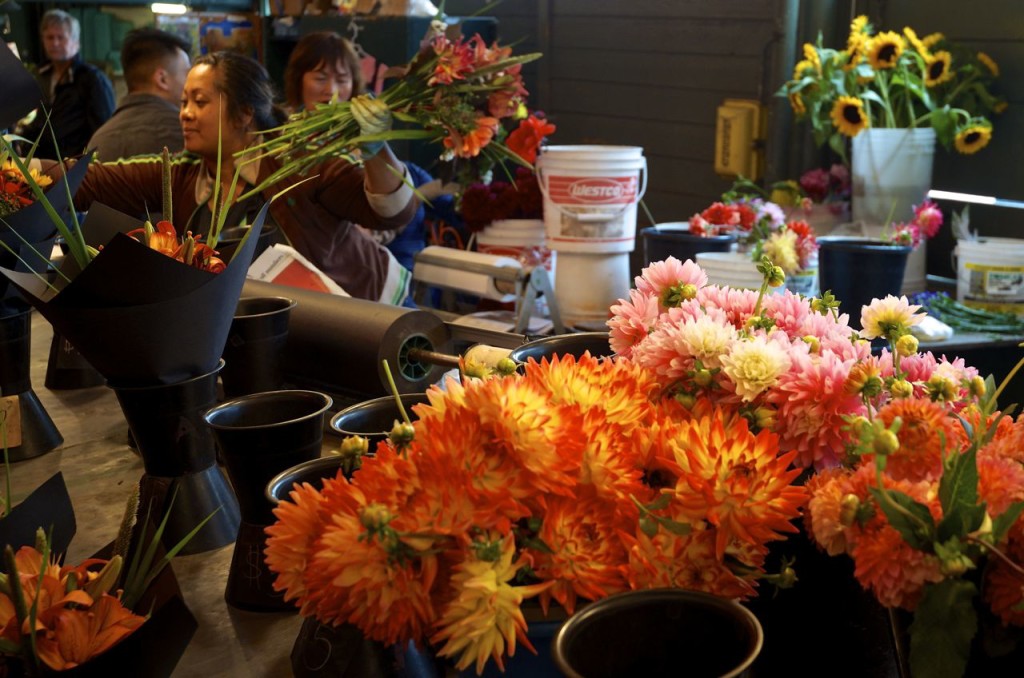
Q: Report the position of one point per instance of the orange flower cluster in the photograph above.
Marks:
(164, 239)
(15, 189)
(571, 482)
(73, 622)
(846, 517)
(455, 93)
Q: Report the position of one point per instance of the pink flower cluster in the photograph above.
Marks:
(788, 371)
(926, 223)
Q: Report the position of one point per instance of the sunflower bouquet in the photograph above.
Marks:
(454, 93)
(888, 79)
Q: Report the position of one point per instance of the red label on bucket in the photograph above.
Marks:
(567, 190)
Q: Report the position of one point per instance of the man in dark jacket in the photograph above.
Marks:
(78, 95)
(155, 66)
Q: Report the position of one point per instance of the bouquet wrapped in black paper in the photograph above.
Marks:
(151, 312)
(31, 207)
(119, 610)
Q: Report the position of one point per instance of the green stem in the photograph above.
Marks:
(999, 554)
(1006, 380)
(394, 392)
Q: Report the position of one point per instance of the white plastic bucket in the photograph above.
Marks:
(587, 284)
(891, 171)
(590, 196)
(522, 239)
(990, 274)
(735, 269)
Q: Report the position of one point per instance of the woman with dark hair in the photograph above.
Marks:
(230, 97)
(323, 66)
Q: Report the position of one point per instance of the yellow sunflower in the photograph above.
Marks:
(973, 138)
(801, 69)
(990, 63)
(848, 116)
(796, 102)
(811, 55)
(884, 50)
(937, 68)
(856, 42)
(930, 41)
(915, 41)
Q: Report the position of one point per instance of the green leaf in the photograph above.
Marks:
(909, 517)
(960, 521)
(944, 625)
(1002, 523)
(959, 484)
(675, 527)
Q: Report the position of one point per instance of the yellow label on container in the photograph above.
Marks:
(10, 418)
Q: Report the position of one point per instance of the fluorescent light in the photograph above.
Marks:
(976, 199)
(167, 8)
(962, 197)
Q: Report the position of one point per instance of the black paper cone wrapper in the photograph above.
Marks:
(30, 231)
(140, 317)
(48, 507)
(21, 91)
(33, 223)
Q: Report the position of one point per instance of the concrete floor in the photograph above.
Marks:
(100, 471)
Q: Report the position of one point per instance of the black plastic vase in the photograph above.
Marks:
(374, 419)
(261, 435)
(340, 651)
(662, 241)
(659, 632)
(37, 432)
(253, 352)
(180, 457)
(574, 344)
(857, 270)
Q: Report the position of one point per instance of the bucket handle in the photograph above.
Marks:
(542, 181)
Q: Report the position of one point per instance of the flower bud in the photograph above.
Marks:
(506, 367)
(863, 379)
(402, 434)
(375, 516)
(901, 388)
(956, 565)
(848, 507)
(976, 385)
(703, 378)
(777, 277)
(354, 447)
(860, 425)
(813, 342)
(688, 291)
(764, 418)
(940, 388)
(906, 345)
(885, 443)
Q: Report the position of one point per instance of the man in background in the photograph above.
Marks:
(146, 120)
(78, 96)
